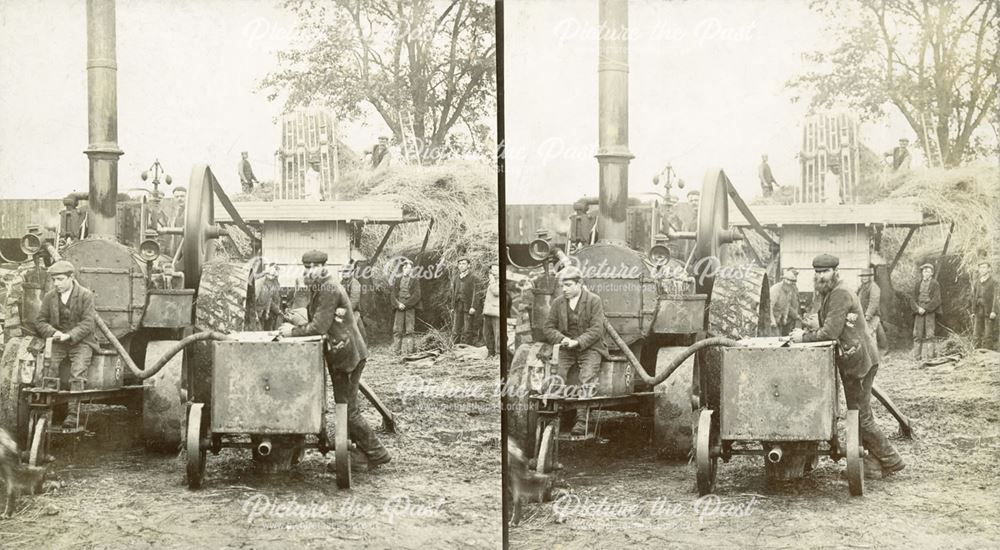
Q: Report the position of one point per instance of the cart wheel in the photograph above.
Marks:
(341, 447)
(705, 462)
(855, 462)
(39, 447)
(195, 452)
(547, 449)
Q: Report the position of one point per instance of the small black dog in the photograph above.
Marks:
(15, 475)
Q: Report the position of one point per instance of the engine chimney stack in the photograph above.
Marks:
(613, 155)
(102, 114)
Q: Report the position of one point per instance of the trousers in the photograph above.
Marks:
(345, 390)
(984, 332)
(402, 325)
(858, 394)
(463, 325)
(491, 333)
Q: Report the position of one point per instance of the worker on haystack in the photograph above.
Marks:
(405, 296)
(330, 314)
(767, 181)
(491, 313)
(785, 303)
(984, 308)
(842, 319)
(926, 304)
(463, 298)
(381, 156)
(312, 189)
(68, 316)
(901, 158)
(576, 324)
(245, 171)
(870, 296)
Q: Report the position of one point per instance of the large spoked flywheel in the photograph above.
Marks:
(199, 225)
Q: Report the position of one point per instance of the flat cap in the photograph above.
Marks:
(62, 267)
(927, 266)
(867, 272)
(314, 257)
(791, 274)
(570, 273)
(825, 261)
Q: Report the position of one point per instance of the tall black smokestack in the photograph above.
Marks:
(102, 114)
(613, 155)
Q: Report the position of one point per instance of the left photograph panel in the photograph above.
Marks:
(249, 277)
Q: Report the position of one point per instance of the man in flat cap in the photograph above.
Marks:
(785, 303)
(869, 294)
(842, 319)
(330, 313)
(576, 324)
(68, 317)
(926, 304)
(405, 298)
(985, 307)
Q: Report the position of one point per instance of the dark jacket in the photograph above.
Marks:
(324, 299)
(413, 302)
(82, 322)
(842, 319)
(869, 294)
(934, 305)
(591, 312)
(984, 297)
(464, 290)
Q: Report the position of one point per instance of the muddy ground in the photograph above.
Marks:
(621, 495)
(442, 489)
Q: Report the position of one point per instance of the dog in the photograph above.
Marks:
(15, 475)
(522, 483)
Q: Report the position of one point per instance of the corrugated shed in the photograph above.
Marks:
(893, 213)
(285, 242)
(260, 211)
(524, 220)
(17, 214)
(850, 243)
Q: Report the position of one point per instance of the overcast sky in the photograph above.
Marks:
(707, 88)
(187, 75)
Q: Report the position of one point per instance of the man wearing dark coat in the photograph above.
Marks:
(576, 324)
(984, 308)
(842, 319)
(785, 303)
(870, 296)
(926, 304)
(406, 301)
(68, 316)
(330, 314)
(463, 297)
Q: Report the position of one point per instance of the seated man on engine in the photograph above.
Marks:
(576, 321)
(345, 352)
(68, 317)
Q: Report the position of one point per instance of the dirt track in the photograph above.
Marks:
(441, 490)
(948, 496)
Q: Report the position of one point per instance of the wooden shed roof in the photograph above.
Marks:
(889, 213)
(261, 211)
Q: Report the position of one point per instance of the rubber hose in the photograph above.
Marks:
(674, 363)
(143, 374)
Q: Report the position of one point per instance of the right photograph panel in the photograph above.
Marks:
(744, 247)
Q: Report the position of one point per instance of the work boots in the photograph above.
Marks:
(930, 350)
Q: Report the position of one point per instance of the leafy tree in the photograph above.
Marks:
(433, 59)
(937, 61)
